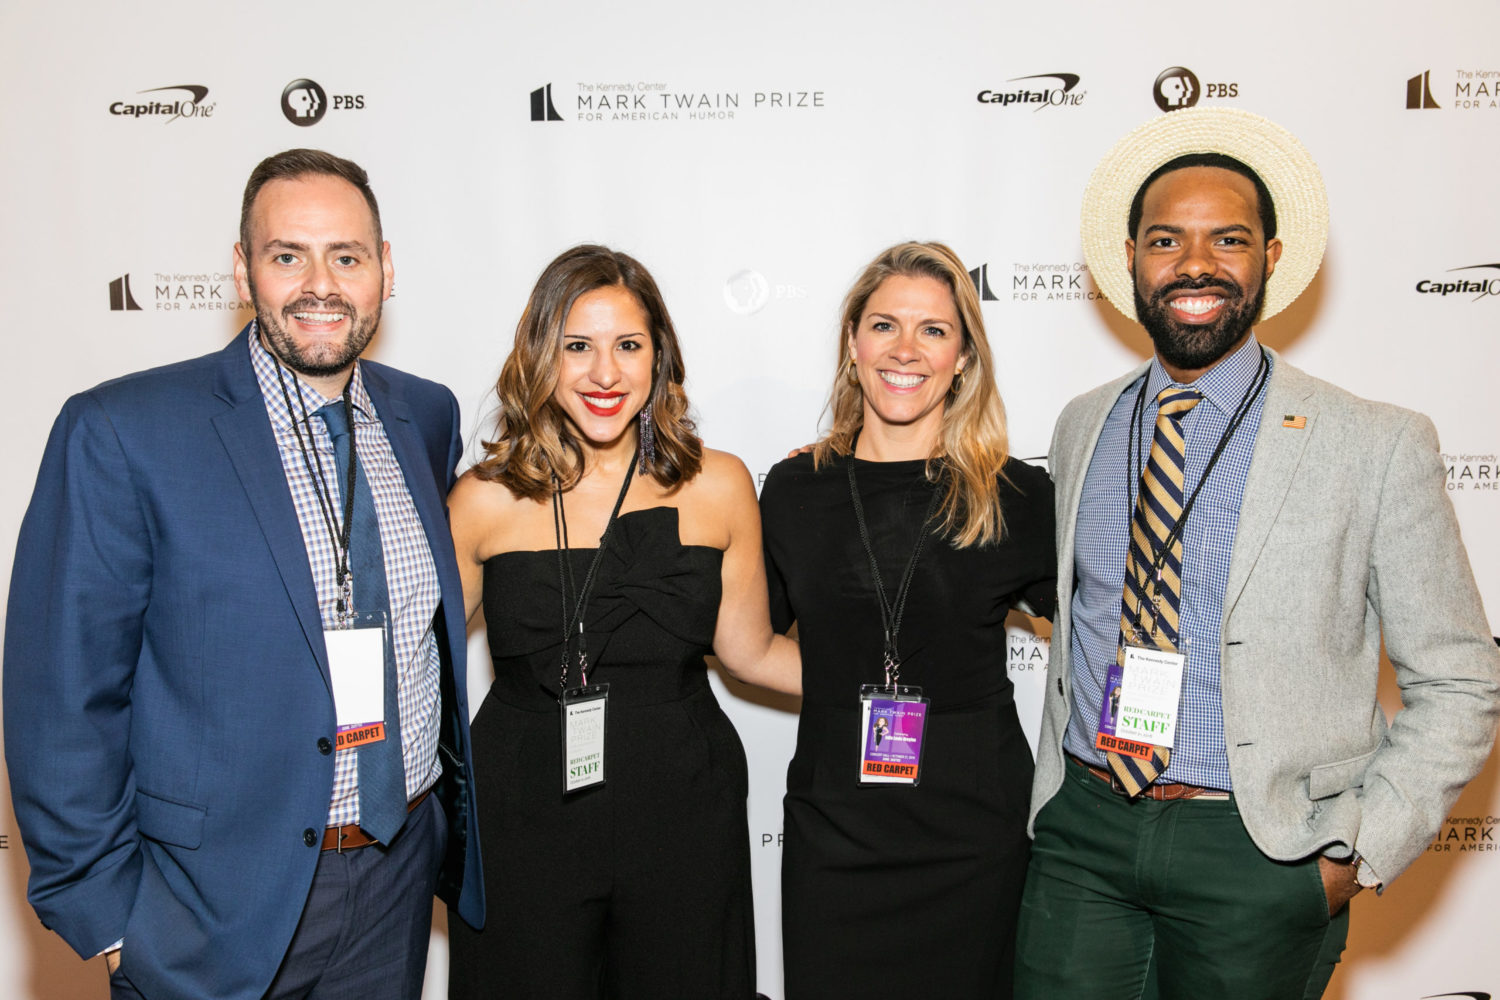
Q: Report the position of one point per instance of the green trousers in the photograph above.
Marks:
(1166, 901)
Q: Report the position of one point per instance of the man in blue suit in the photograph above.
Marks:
(235, 711)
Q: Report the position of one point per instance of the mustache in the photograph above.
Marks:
(311, 303)
(1231, 289)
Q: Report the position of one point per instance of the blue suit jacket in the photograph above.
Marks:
(166, 685)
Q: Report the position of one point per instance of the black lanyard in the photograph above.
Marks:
(1134, 464)
(890, 613)
(338, 533)
(565, 576)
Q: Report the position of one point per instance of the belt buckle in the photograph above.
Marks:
(1115, 785)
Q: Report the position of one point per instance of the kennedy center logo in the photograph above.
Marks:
(120, 299)
(542, 108)
(981, 278)
(1419, 92)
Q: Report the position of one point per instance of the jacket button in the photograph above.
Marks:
(325, 746)
(309, 837)
(1059, 686)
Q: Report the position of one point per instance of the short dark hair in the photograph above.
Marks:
(294, 163)
(1264, 204)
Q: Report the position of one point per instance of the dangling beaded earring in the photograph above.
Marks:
(646, 440)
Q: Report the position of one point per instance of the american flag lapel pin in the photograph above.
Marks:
(1295, 421)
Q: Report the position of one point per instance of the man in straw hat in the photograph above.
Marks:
(1265, 530)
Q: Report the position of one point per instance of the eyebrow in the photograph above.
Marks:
(618, 336)
(1162, 227)
(303, 247)
(930, 321)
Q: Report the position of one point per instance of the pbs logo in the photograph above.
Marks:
(304, 102)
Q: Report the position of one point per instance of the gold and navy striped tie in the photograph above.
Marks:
(1153, 581)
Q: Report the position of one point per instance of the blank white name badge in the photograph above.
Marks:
(1149, 694)
(356, 665)
(584, 712)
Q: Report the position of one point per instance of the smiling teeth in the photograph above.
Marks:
(1196, 306)
(900, 380)
(319, 317)
(605, 403)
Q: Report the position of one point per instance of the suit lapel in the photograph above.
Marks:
(1278, 452)
(421, 476)
(1075, 447)
(245, 430)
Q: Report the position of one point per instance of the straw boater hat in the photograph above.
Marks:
(1288, 170)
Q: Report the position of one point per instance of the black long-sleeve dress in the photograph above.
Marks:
(896, 890)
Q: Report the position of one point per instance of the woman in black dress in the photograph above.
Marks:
(638, 886)
(913, 479)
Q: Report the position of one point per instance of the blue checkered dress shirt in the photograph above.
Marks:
(411, 576)
(1101, 536)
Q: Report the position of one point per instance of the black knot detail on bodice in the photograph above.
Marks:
(654, 604)
(647, 570)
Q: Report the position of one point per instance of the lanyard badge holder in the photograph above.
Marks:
(585, 708)
(1142, 695)
(892, 716)
(1143, 689)
(358, 645)
(892, 724)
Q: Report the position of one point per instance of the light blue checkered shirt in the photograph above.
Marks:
(1102, 535)
(411, 576)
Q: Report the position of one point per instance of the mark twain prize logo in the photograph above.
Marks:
(1462, 89)
(645, 102)
(185, 100)
(178, 291)
(1025, 652)
(1469, 284)
(1054, 90)
(1471, 472)
(1466, 835)
(1044, 281)
(1177, 87)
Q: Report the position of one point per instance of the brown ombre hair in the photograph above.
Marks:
(533, 439)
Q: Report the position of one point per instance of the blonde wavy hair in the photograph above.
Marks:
(533, 439)
(972, 444)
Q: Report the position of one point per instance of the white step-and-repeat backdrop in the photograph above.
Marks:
(755, 155)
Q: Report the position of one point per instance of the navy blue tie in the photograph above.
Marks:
(382, 778)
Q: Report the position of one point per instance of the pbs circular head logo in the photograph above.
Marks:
(1176, 88)
(304, 102)
(746, 292)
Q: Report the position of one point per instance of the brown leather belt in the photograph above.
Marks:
(349, 836)
(1161, 793)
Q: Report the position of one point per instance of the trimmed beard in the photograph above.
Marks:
(321, 360)
(1191, 346)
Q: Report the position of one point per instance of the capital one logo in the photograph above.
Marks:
(1419, 92)
(304, 102)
